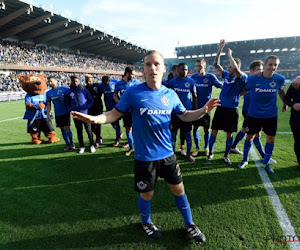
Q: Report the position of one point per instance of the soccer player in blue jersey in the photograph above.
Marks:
(56, 95)
(292, 99)
(171, 76)
(204, 83)
(97, 108)
(79, 99)
(227, 115)
(256, 67)
(151, 105)
(186, 91)
(263, 111)
(127, 81)
(107, 87)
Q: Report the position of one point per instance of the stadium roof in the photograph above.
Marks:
(29, 23)
(242, 47)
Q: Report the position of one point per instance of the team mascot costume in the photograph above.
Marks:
(36, 109)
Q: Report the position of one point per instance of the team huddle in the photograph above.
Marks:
(155, 110)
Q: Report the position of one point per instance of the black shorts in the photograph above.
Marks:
(245, 122)
(268, 125)
(203, 121)
(147, 172)
(63, 120)
(225, 119)
(177, 123)
(40, 125)
(127, 120)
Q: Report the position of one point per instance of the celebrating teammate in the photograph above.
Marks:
(256, 67)
(97, 108)
(263, 109)
(226, 117)
(127, 81)
(107, 87)
(62, 116)
(151, 105)
(186, 91)
(204, 83)
(79, 99)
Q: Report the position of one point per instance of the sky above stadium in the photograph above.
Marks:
(165, 24)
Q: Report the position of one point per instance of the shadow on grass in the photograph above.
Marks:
(128, 236)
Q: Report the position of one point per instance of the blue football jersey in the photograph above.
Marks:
(263, 95)
(246, 102)
(108, 92)
(57, 96)
(35, 100)
(122, 86)
(204, 86)
(232, 87)
(151, 113)
(184, 88)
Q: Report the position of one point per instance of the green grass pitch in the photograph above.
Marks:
(50, 199)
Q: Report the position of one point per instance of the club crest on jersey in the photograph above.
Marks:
(72, 95)
(141, 185)
(95, 88)
(272, 84)
(165, 100)
(205, 80)
(187, 85)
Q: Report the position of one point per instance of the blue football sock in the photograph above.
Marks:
(144, 207)
(196, 138)
(228, 145)
(118, 131)
(212, 141)
(185, 209)
(189, 142)
(65, 136)
(268, 152)
(247, 147)
(206, 139)
(70, 135)
(240, 135)
(173, 139)
(130, 139)
(259, 147)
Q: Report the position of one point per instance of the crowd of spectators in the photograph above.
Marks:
(23, 54)
(29, 55)
(10, 82)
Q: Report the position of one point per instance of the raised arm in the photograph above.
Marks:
(217, 64)
(107, 117)
(193, 115)
(233, 63)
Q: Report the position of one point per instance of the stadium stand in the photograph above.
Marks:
(34, 40)
(286, 48)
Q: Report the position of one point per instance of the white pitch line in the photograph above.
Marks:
(284, 133)
(282, 216)
(11, 119)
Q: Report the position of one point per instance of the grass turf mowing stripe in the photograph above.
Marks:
(6, 120)
(283, 219)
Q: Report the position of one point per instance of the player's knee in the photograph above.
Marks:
(147, 195)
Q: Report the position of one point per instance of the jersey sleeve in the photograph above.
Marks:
(282, 82)
(216, 82)
(124, 104)
(249, 83)
(48, 98)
